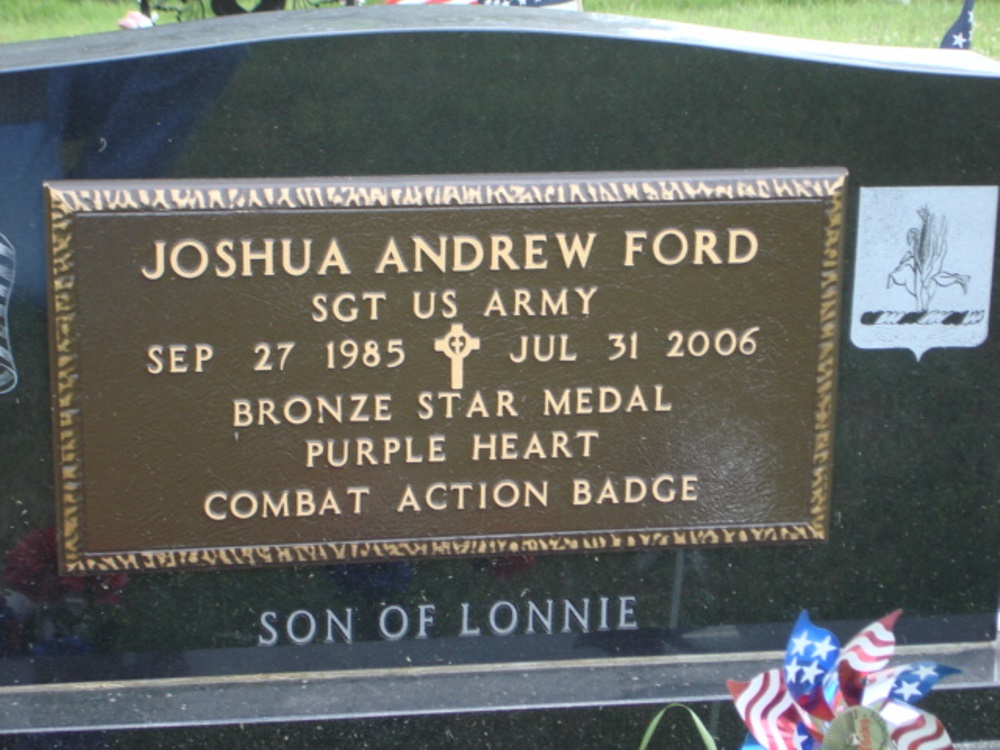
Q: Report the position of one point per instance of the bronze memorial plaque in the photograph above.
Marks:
(303, 371)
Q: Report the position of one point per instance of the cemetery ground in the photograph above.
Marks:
(900, 23)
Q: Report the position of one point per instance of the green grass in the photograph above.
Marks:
(913, 23)
(919, 23)
(22, 20)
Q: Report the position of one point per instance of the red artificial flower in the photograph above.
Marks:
(509, 567)
(32, 569)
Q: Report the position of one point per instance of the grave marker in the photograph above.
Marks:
(872, 471)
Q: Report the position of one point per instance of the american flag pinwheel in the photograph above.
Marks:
(830, 697)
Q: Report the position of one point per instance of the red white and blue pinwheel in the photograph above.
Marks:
(841, 698)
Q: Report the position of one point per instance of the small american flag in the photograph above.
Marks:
(959, 36)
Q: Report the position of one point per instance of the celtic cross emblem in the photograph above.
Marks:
(456, 345)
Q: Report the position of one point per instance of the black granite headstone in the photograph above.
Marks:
(519, 648)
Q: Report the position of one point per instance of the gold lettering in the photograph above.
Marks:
(357, 494)
(534, 248)
(540, 303)
(467, 252)
(501, 246)
(226, 253)
(513, 446)
(632, 246)
(609, 400)
(305, 504)
(461, 263)
(633, 490)
(682, 247)
(286, 258)
(346, 307)
(505, 494)
(554, 305)
(672, 246)
(449, 404)
(337, 453)
(329, 504)
(200, 260)
(522, 303)
(297, 410)
(408, 501)
(423, 249)
(243, 505)
(735, 256)
(190, 258)
(704, 244)
(266, 255)
(333, 259)
(495, 305)
(174, 358)
(574, 250)
(391, 257)
(275, 509)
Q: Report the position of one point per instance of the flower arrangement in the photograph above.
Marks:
(47, 614)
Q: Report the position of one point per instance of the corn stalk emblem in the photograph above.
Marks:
(920, 271)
